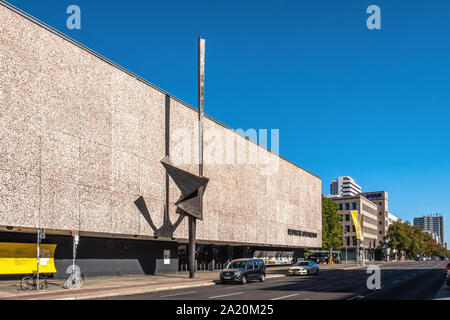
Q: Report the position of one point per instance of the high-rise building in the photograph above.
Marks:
(432, 223)
(344, 186)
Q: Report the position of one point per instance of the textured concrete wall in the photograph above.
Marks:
(81, 140)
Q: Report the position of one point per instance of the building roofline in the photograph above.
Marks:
(110, 62)
(374, 191)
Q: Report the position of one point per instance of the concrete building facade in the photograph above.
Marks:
(381, 200)
(81, 141)
(369, 221)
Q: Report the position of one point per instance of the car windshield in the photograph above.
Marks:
(237, 265)
(302, 263)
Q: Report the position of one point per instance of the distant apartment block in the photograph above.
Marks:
(344, 186)
(432, 223)
(392, 218)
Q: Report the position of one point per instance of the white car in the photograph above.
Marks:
(304, 268)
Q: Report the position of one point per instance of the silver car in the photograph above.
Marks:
(304, 268)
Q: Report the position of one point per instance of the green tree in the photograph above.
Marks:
(398, 236)
(413, 240)
(332, 233)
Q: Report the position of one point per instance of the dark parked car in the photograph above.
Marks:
(243, 270)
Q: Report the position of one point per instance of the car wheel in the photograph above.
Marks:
(262, 278)
(244, 280)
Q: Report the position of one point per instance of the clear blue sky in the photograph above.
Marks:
(372, 104)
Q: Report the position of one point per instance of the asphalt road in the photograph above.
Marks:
(398, 281)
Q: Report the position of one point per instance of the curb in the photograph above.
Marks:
(130, 292)
(141, 291)
(110, 293)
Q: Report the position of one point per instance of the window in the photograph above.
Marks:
(341, 206)
(353, 228)
(347, 206)
(380, 203)
(348, 241)
(353, 205)
(355, 241)
(381, 222)
(347, 228)
(250, 265)
(236, 265)
(347, 217)
(380, 213)
(379, 232)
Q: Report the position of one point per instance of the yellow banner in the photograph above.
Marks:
(358, 224)
(21, 258)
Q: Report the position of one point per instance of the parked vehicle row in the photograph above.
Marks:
(244, 270)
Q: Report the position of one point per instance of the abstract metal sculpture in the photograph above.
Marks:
(190, 186)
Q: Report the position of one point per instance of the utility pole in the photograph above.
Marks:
(357, 252)
(346, 253)
(361, 237)
(201, 100)
(38, 256)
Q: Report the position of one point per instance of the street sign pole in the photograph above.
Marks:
(346, 253)
(40, 235)
(38, 254)
(74, 249)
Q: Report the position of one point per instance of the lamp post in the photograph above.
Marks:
(201, 100)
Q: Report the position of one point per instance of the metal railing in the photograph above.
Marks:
(202, 267)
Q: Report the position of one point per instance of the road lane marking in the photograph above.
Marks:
(225, 295)
(291, 295)
(356, 297)
(176, 294)
(323, 288)
(395, 281)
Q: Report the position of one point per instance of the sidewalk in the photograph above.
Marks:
(444, 292)
(101, 287)
(352, 264)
